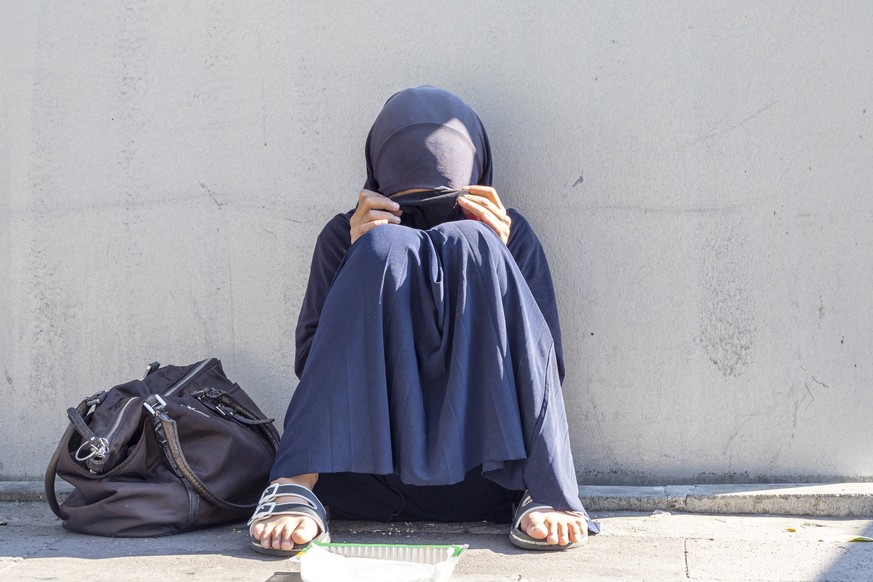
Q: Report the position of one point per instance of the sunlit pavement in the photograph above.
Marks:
(633, 546)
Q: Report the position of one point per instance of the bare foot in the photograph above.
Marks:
(282, 532)
(555, 527)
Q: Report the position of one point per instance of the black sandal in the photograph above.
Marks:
(308, 505)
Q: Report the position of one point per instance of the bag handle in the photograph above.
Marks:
(168, 437)
(227, 406)
(246, 416)
(52, 469)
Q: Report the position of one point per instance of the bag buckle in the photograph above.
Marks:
(154, 404)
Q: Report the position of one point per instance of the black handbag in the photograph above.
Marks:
(181, 449)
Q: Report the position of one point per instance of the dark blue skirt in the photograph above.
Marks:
(432, 358)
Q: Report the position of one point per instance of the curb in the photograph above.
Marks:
(30, 491)
(813, 499)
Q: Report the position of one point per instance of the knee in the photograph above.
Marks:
(472, 234)
(465, 228)
(384, 244)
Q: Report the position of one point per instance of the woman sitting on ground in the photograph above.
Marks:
(428, 351)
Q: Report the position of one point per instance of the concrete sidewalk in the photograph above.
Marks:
(634, 546)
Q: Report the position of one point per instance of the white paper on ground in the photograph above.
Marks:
(327, 563)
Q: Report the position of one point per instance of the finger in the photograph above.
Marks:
(486, 214)
(484, 202)
(362, 229)
(493, 222)
(474, 207)
(471, 202)
(467, 210)
(477, 212)
(381, 203)
(373, 215)
(363, 217)
(370, 225)
(486, 191)
(481, 190)
(368, 199)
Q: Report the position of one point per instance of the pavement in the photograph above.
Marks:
(657, 541)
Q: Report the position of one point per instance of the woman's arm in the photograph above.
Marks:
(330, 248)
(528, 253)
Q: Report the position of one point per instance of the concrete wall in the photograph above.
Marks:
(701, 179)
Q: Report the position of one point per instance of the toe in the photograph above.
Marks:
(305, 531)
(553, 533)
(257, 531)
(534, 527)
(288, 539)
(575, 533)
(267, 535)
(563, 537)
(277, 536)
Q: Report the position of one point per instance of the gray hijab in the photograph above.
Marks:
(427, 138)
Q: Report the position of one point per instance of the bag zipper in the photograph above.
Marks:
(189, 376)
(100, 449)
(227, 406)
(230, 408)
(115, 425)
(179, 384)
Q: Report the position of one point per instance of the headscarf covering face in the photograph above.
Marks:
(427, 138)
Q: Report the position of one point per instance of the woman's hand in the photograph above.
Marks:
(373, 210)
(482, 203)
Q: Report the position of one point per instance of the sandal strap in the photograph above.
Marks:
(528, 505)
(280, 489)
(306, 504)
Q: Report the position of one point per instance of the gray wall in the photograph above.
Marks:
(700, 178)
